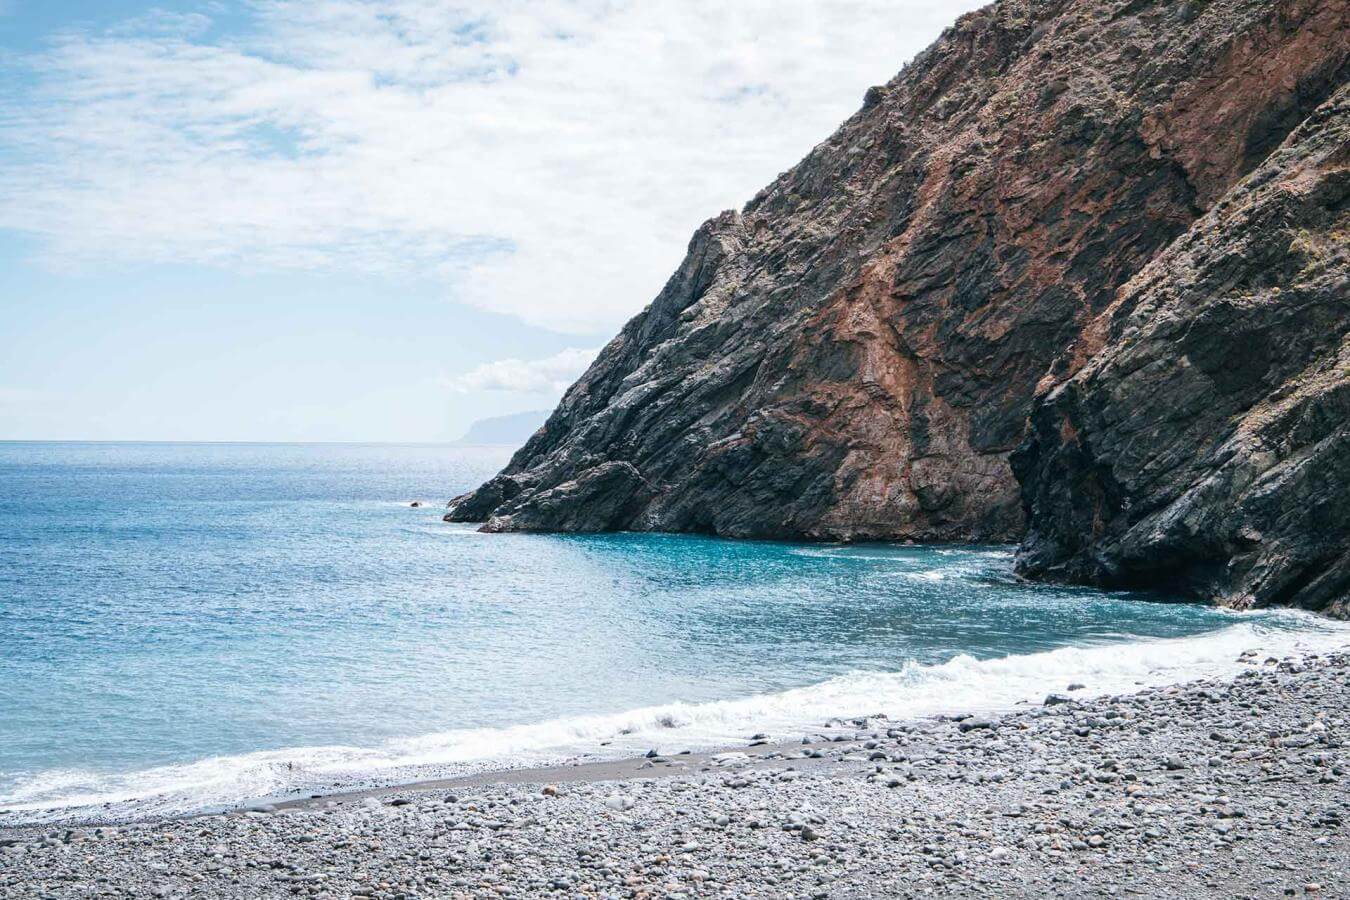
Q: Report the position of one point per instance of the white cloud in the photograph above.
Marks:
(548, 161)
(539, 376)
(17, 396)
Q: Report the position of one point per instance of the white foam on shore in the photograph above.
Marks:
(962, 684)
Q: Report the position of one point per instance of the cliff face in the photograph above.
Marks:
(855, 354)
(1206, 446)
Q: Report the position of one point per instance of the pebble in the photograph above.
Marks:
(620, 802)
(1094, 797)
(974, 724)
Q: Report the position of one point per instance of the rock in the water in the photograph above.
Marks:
(600, 498)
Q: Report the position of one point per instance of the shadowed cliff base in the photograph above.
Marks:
(856, 353)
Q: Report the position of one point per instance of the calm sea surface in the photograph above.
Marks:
(189, 625)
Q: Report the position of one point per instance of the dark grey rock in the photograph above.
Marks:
(1202, 443)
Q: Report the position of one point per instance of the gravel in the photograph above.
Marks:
(1212, 789)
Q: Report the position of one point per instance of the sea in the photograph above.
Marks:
(192, 627)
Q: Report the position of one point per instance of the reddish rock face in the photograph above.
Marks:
(855, 354)
(1206, 447)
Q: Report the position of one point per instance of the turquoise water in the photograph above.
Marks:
(188, 625)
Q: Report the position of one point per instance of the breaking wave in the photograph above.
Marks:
(961, 684)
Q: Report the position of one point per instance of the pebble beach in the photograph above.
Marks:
(1219, 788)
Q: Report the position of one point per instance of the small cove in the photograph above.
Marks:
(191, 625)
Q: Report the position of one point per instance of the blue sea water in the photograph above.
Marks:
(185, 626)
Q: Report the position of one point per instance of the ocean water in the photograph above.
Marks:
(191, 626)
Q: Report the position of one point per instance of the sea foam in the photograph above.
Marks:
(961, 684)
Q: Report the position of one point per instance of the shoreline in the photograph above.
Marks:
(637, 766)
(1217, 787)
(992, 686)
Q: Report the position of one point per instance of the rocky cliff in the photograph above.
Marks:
(855, 353)
(1204, 444)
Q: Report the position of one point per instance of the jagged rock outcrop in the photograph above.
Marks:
(854, 354)
(1204, 446)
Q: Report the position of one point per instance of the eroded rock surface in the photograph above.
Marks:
(1206, 446)
(855, 353)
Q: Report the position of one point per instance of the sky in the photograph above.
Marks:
(348, 220)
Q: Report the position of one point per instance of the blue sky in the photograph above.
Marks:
(377, 219)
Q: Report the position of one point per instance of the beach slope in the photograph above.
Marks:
(1232, 788)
